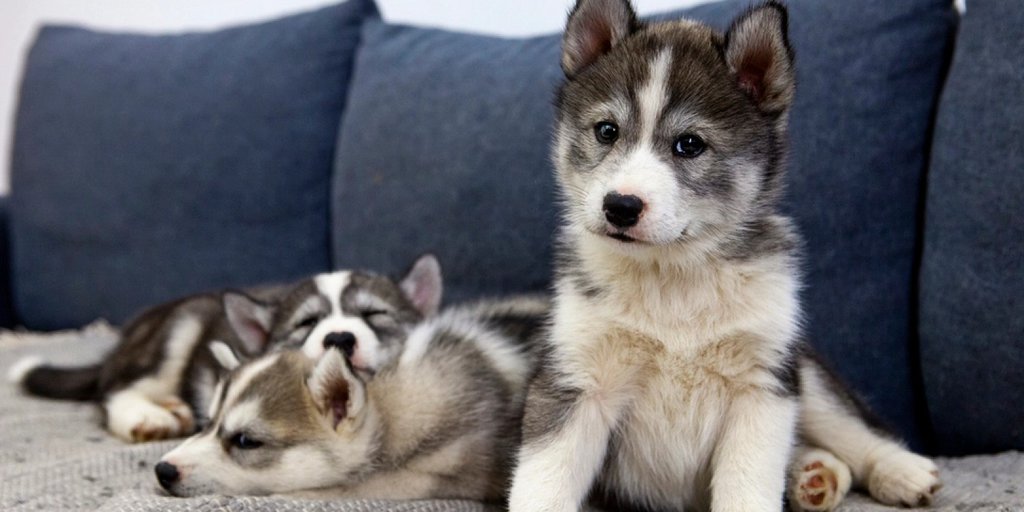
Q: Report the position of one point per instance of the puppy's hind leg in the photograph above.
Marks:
(818, 481)
(832, 419)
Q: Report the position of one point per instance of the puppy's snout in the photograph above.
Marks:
(343, 341)
(167, 474)
(622, 211)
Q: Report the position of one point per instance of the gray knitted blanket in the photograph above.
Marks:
(55, 456)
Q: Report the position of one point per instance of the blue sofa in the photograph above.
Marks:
(148, 167)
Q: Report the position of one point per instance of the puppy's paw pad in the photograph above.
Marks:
(904, 478)
(819, 482)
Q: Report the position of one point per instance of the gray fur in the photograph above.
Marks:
(144, 345)
(701, 238)
(550, 404)
(453, 391)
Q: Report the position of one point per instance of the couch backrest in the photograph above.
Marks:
(149, 167)
(972, 276)
(444, 146)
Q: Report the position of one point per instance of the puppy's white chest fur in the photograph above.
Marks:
(667, 353)
(661, 451)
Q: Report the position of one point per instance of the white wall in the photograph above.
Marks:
(19, 20)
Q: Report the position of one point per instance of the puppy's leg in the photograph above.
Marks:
(565, 439)
(749, 466)
(133, 417)
(818, 481)
(832, 420)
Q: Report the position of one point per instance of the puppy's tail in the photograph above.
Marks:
(40, 379)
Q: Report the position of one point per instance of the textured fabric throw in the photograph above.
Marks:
(55, 456)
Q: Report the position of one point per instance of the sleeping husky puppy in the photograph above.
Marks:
(439, 421)
(677, 378)
(161, 374)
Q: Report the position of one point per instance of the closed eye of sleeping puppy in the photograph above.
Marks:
(439, 421)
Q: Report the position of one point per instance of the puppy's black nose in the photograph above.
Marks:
(343, 341)
(166, 474)
(622, 211)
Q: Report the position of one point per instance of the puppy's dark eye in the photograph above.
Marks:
(244, 442)
(606, 132)
(307, 322)
(688, 145)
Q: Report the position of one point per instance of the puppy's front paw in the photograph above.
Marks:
(136, 419)
(904, 478)
(818, 482)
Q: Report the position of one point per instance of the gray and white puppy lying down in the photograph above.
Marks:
(159, 379)
(439, 419)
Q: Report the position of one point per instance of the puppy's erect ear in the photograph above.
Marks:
(422, 285)
(594, 27)
(224, 355)
(250, 319)
(338, 393)
(758, 53)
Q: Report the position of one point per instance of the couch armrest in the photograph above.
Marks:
(6, 303)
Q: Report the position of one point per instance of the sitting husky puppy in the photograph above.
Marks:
(161, 374)
(677, 378)
(441, 420)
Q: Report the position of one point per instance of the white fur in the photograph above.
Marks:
(557, 475)
(181, 342)
(892, 474)
(215, 402)
(675, 355)
(17, 372)
(224, 355)
(670, 346)
(748, 466)
(642, 172)
(367, 354)
(204, 385)
(241, 414)
(133, 416)
(653, 96)
(206, 466)
(241, 380)
(331, 285)
(504, 356)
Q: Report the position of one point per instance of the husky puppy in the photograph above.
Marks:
(441, 420)
(161, 374)
(676, 377)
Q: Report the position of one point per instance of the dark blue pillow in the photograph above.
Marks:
(445, 143)
(150, 167)
(972, 277)
(444, 149)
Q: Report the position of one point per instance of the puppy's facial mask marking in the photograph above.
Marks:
(697, 116)
(374, 313)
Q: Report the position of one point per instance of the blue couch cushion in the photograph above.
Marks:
(972, 277)
(445, 143)
(150, 167)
